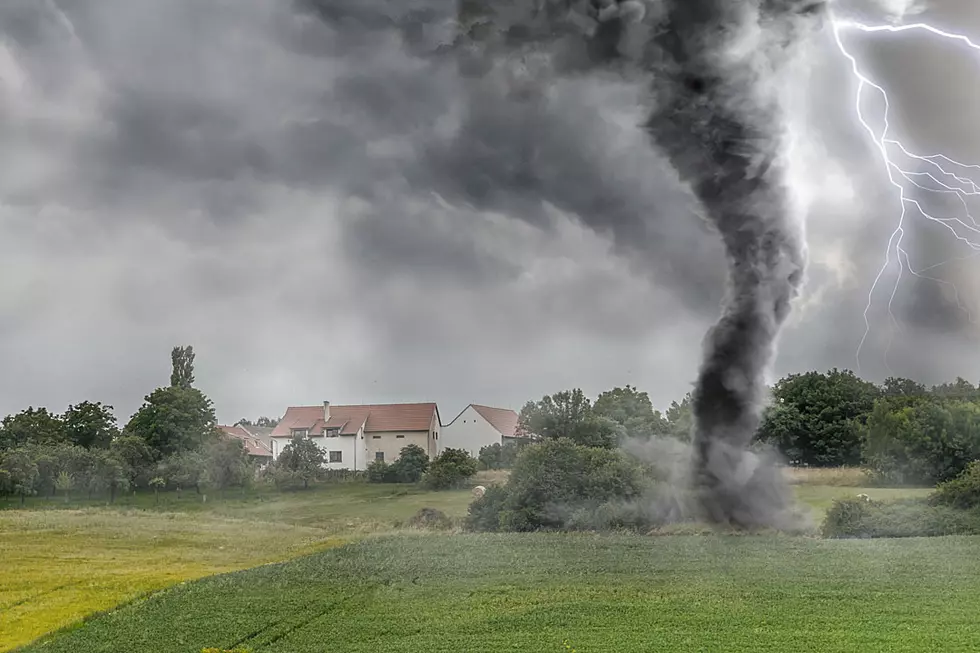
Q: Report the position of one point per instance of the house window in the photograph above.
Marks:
(400, 437)
(302, 433)
(375, 437)
(331, 433)
(336, 456)
(379, 455)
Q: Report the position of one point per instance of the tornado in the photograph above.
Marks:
(722, 126)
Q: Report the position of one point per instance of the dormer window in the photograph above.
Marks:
(331, 432)
(300, 433)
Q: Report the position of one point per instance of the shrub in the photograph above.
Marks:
(500, 456)
(412, 464)
(431, 518)
(558, 484)
(377, 471)
(484, 513)
(961, 492)
(850, 518)
(451, 469)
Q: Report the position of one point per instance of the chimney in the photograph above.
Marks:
(326, 411)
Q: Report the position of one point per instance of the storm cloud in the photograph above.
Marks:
(308, 194)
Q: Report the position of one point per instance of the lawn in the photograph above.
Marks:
(533, 592)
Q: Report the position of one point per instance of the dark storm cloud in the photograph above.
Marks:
(313, 186)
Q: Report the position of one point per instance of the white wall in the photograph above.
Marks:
(469, 431)
(352, 450)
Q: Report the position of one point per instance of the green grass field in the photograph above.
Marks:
(63, 563)
(461, 593)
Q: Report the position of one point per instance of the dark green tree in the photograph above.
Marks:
(901, 387)
(816, 418)
(568, 414)
(136, 457)
(451, 469)
(924, 441)
(632, 410)
(31, 426)
(412, 463)
(228, 464)
(19, 473)
(958, 389)
(302, 458)
(173, 420)
(182, 374)
(90, 425)
(680, 419)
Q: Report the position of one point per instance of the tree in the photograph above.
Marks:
(412, 463)
(19, 473)
(303, 458)
(267, 422)
(182, 374)
(632, 410)
(921, 440)
(107, 473)
(90, 425)
(901, 387)
(173, 420)
(680, 419)
(451, 469)
(136, 458)
(187, 469)
(958, 389)
(227, 463)
(31, 426)
(816, 418)
(568, 414)
(64, 483)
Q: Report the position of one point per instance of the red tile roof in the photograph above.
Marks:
(253, 446)
(502, 419)
(349, 419)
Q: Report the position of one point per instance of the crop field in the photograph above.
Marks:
(541, 592)
(64, 562)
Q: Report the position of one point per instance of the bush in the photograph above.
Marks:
(451, 469)
(431, 518)
(860, 518)
(500, 456)
(412, 464)
(961, 492)
(484, 513)
(377, 472)
(560, 485)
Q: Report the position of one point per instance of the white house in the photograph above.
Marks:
(354, 436)
(480, 426)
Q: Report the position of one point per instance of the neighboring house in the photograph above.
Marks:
(480, 426)
(256, 448)
(355, 436)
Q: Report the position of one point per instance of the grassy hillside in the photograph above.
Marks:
(599, 593)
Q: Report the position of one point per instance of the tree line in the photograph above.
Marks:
(900, 430)
(172, 441)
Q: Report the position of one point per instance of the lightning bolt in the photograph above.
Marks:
(935, 174)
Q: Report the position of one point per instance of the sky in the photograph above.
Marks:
(326, 212)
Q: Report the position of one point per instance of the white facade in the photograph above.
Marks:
(469, 431)
(341, 451)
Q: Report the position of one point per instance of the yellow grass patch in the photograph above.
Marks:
(60, 565)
